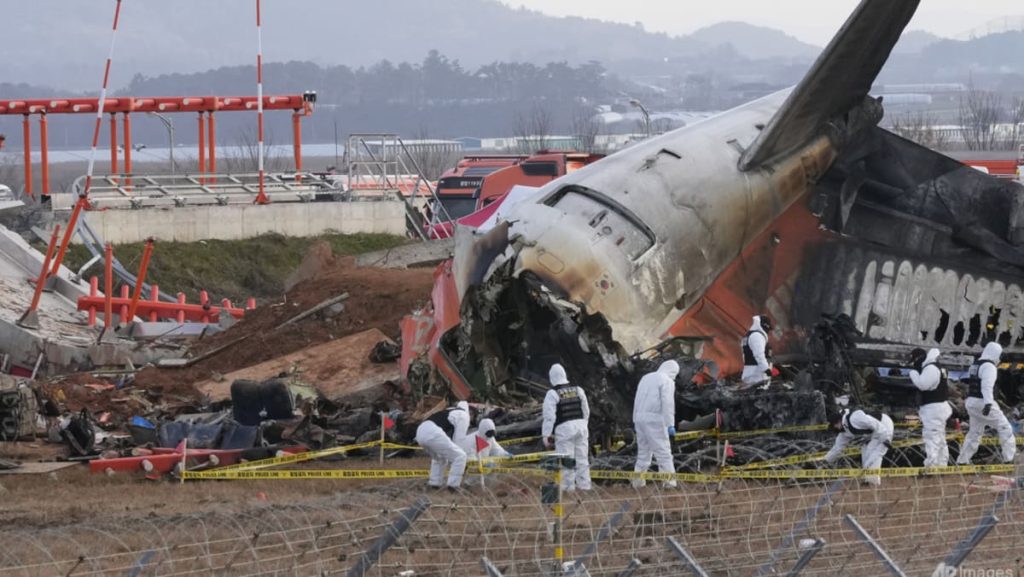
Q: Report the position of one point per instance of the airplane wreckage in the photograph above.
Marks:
(859, 244)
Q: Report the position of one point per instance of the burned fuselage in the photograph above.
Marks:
(690, 233)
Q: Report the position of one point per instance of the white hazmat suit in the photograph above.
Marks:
(654, 416)
(492, 449)
(566, 414)
(440, 436)
(756, 368)
(982, 408)
(935, 409)
(878, 431)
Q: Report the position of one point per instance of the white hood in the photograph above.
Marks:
(557, 375)
(670, 369)
(992, 352)
(756, 325)
(485, 426)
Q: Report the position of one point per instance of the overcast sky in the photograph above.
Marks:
(813, 21)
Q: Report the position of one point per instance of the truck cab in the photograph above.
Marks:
(457, 191)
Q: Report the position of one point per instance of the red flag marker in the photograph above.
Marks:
(481, 444)
(389, 423)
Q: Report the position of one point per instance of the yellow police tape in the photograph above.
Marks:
(514, 459)
(308, 474)
(851, 451)
(297, 457)
(716, 434)
(725, 475)
(520, 441)
(385, 473)
(810, 457)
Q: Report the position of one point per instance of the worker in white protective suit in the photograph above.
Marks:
(877, 429)
(756, 352)
(932, 381)
(440, 436)
(983, 409)
(480, 444)
(566, 414)
(654, 417)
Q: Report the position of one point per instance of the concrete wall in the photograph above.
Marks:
(192, 223)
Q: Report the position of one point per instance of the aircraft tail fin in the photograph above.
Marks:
(838, 81)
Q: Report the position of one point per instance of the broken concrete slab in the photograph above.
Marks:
(429, 253)
(37, 468)
(340, 370)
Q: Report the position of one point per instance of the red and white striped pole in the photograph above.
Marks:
(261, 198)
(83, 197)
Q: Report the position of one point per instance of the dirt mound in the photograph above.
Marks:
(378, 298)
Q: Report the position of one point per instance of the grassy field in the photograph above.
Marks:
(233, 269)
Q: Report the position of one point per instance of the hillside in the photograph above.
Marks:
(755, 42)
(198, 35)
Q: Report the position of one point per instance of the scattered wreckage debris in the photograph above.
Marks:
(339, 370)
(859, 244)
(313, 371)
(609, 271)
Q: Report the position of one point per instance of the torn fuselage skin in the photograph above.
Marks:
(603, 262)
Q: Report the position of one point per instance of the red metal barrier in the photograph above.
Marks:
(31, 318)
(179, 311)
(140, 279)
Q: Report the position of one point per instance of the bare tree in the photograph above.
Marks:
(922, 128)
(245, 157)
(532, 129)
(11, 172)
(980, 112)
(432, 158)
(1014, 135)
(585, 128)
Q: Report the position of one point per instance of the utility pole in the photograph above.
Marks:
(170, 134)
(646, 115)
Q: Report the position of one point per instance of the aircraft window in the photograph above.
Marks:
(611, 221)
(540, 168)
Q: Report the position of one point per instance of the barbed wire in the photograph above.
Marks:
(732, 527)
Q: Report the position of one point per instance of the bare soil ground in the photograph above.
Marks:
(378, 298)
(322, 527)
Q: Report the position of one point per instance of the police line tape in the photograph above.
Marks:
(307, 474)
(716, 434)
(852, 451)
(611, 475)
(521, 440)
(811, 457)
(514, 459)
(785, 474)
(302, 457)
(297, 457)
(533, 457)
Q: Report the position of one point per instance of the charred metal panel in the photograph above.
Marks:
(907, 300)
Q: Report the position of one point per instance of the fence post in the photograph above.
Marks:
(804, 559)
(489, 567)
(799, 528)
(964, 548)
(601, 536)
(634, 564)
(687, 558)
(874, 546)
(391, 534)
